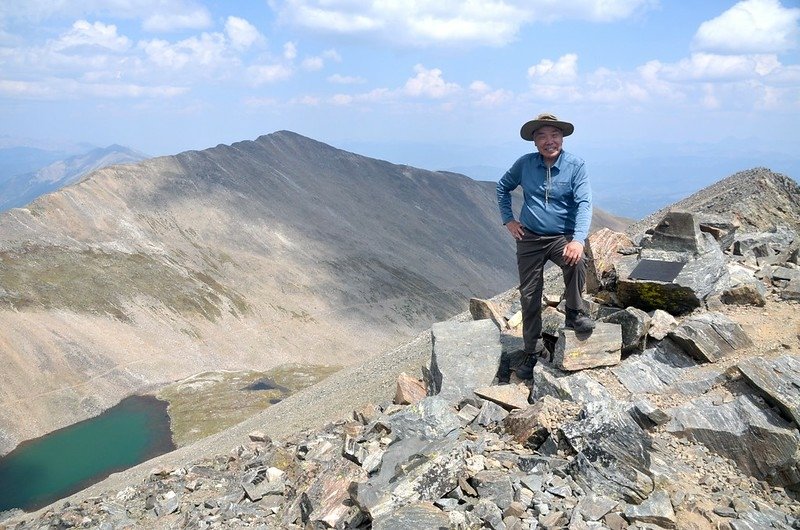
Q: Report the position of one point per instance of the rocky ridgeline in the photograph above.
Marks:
(660, 418)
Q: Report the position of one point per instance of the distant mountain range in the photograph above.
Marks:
(20, 188)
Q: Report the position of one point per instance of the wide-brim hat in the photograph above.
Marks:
(545, 119)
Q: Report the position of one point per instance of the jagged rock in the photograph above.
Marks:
(594, 507)
(490, 413)
(166, 504)
(465, 356)
(409, 390)
(494, 486)
(578, 351)
(327, 498)
(744, 288)
(647, 415)
(412, 516)
(722, 229)
(791, 291)
(486, 309)
(533, 424)
(656, 509)
(764, 243)
(577, 387)
(259, 436)
(507, 396)
(432, 418)
(667, 368)
(677, 239)
(468, 412)
(516, 320)
(552, 321)
(612, 452)
(785, 273)
(602, 255)
(635, 324)
(490, 514)
(709, 337)
(758, 439)
(677, 232)
(779, 381)
(413, 470)
(661, 323)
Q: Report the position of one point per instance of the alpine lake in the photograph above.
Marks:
(41, 471)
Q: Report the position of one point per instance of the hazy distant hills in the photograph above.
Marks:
(18, 188)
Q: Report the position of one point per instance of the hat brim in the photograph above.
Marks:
(530, 127)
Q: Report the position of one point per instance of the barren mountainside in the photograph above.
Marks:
(758, 197)
(277, 250)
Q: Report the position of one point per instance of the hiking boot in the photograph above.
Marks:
(525, 370)
(578, 321)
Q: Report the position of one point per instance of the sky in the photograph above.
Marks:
(437, 84)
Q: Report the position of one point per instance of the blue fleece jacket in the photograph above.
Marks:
(557, 201)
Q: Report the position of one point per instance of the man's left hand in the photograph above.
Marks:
(573, 252)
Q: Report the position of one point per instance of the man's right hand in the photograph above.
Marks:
(516, 229)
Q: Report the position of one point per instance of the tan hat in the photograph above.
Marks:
(545, 119)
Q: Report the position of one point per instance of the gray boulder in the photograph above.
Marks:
(578, 351)
(465, 356)
(778, 380)
(709, 337)
(613, 453)
(684, 267)
(635, 324)
(758, 439)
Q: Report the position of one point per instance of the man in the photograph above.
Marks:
(553, 225)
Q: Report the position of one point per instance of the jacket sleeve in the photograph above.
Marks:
(582, 193)
(505, 186)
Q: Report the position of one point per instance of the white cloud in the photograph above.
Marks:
(429, 83)
(241, 33)
(563, 71)
(197, 18)
(333, 55)
(425, 22)
(712, 67)
(208, 51)
(268, 73)
(485, 96)
(346, 79)
(312, 64)
(289, 51)
(750, 27)
(70, 88)
(85, 34)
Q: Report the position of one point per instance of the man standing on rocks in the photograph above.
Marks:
(553, 225)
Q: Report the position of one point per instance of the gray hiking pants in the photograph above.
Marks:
(533, 252)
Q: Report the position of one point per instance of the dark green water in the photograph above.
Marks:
(41, 471)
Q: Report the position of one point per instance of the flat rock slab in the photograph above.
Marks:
(666, 368)
(710, 337)
(507, 396)
(578, 387)
(758, 439)
(412, 517)
(578, 351)
(778, 379)
(465, 356)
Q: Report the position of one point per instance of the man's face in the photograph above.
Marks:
(548, 140)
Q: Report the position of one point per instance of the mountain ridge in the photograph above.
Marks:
(242, 256)
(19, 190)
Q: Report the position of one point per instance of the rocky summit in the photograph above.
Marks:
(669, 416)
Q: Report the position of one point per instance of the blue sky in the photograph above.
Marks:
(431, 83)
